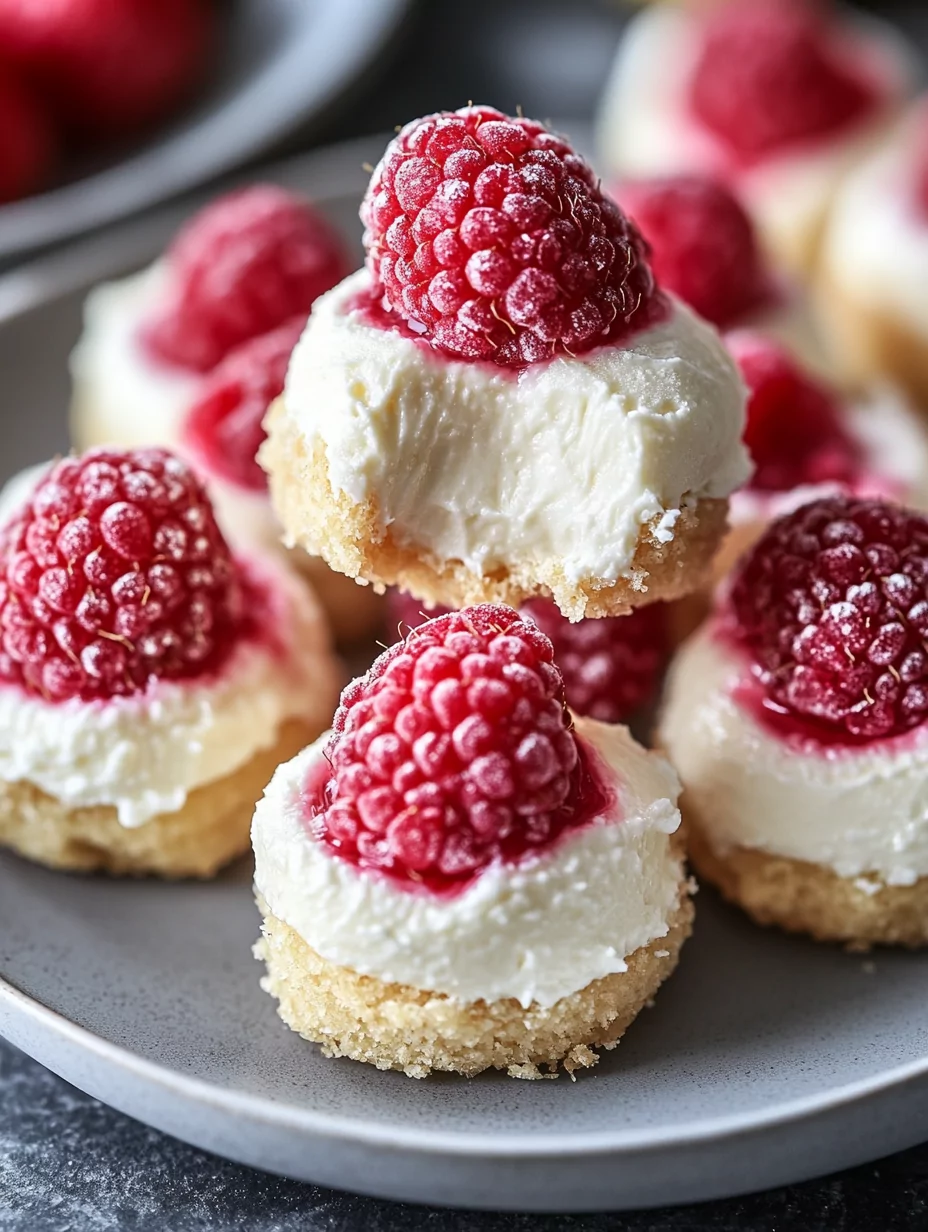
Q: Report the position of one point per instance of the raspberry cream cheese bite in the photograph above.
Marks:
(807, 438)
(611, 666)
(503, 404)
(460, 876)
(246, 264)
(778, 97)
(872, 286)
(797, 719)
(704, 248)
(150, 681)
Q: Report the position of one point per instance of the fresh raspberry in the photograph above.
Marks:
(244, 265)
(773, 73)
(794, 430)
(109, 66)
(27, 143)
(491, 235)
(610, 666)
(832, 602)
(224, 428)
(456, 749)
(703, 246)
(113, 574)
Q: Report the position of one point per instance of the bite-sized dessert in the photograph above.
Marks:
(150, 681)
(460, 875)
(778, 97)
(807, 438)
(248, 263)
(704, 248)
(503, 404)
(611, 666)
(872, 285)
(797, 718)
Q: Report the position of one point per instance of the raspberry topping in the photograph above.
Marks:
(794, 431)
(489, 233)
(244, 265)
(703, 246)
(224, 428)
(832, 603)
(774, 73)
(455, 750)
(610, 666)
(27, 144)
(110, 66)
(113, 574)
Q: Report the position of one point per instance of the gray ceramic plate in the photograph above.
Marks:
(282, 62)
(766, 1059)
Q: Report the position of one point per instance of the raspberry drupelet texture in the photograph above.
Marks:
(703, 245)
(774, 73)
(224, 428)
(611, 667)
(112, 575)
(794, 429)
(492, 236)
(832, 603)
(250, 261)
(454, 750)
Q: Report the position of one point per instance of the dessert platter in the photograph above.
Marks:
(327, 846)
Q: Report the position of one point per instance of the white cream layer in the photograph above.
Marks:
(536, 932)
(895, 449)
(564, 463)
(143, 755)
(121, 396)
(644, 128)
(855, 811)
(876, 246)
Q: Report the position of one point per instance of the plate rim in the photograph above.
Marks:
(166, 166)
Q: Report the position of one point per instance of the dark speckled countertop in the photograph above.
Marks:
(69, 1164)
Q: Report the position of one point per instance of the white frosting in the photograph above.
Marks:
(645, 128)
(122, 396)
(855, 811)
(895, 449)
(143, 755)
(563, 463)
(876, 246)
(537, 931)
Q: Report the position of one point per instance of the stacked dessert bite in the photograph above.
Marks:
(779, 97)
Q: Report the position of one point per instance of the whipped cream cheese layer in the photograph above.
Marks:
(876, 246)
(566, 461)
(537, 932)
(645, 128)
(143, 755)
(895, 451)
(122, 395)
(858, 811)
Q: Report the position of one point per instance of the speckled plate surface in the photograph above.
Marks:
(766, 1059)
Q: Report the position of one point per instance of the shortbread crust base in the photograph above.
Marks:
(395, 1026)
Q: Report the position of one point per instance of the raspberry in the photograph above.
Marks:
(109, 66)
(224, 428)
(703, 246)
(115, 573)
(794, 431)
(773, 73)
(610, 667)
(832, 603)
(244, 265)
(491, 235)
(455, 750)
(27, 143)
